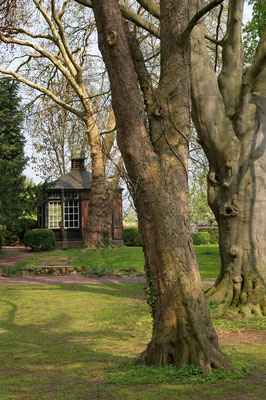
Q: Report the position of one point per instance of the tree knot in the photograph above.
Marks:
(234, 251)
(237, 279)
(111, 38)
(229, 210)
(158, 112)
(214, 178)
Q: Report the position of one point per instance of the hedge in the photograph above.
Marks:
(40, 239)
(132, 237)
(213, 231)
(201, 238)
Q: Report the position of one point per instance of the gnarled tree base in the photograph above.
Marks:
(208, 358)
(244, 299)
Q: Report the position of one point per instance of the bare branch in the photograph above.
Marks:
(140, 67)
(12, 30)
(54, 60)
(217, 37)
(230, 78)
(43, 90)
(66, 50)
(195, 19)
(151, 7)
(110, 131)
(215, 41)
(130, 16)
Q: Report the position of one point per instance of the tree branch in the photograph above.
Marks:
(140, 67)
(215, 41)
(217, 37)
(195, 19)
(230, 77)
(42, 90)
(209, 117)
(130, 16)
(67, 52)
(12, 30)
(54, 60)
(151, 7)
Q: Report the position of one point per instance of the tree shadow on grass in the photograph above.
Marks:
(132, 290)
(46, 359)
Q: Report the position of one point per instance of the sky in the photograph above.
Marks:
(29, 171)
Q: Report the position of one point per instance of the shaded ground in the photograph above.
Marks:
(63, 342)
(13, 255)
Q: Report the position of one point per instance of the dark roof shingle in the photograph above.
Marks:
(75, 179)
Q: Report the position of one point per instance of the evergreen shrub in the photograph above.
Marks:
(213, 231)
(201, 238)
(40, 239)
(132, 237)
(14, 234)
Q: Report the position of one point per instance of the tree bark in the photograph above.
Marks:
(230, 121)
(155, 155)
(98, 232)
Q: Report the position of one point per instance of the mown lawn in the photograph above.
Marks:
(109, 260)
(69, 341)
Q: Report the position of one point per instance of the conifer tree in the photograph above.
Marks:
(12, 157)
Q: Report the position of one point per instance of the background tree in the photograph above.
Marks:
(229, 114)
(54, 134)
(12, 157)
(58, 50)
(153, 134)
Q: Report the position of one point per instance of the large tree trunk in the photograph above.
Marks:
(182, 329)
(229, 115)
(156, 160)
(240, 212)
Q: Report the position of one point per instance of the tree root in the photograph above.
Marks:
(163, 354)
(246, 302)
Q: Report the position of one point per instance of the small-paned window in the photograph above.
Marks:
(55, 216)
(71, 214)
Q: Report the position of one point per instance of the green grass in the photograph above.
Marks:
(72, 341)
(102, 262)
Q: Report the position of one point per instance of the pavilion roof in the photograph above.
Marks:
(76, 179)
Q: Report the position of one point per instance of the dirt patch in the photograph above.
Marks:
(229, 339)
(76, 279)
(13, 255)
(71, 279)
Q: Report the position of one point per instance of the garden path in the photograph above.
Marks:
(12, 255)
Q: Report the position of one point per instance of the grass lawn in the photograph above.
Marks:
(106, 261)
(71, 341)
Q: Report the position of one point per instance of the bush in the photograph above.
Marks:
(40, 239)
(11, 238)
(14, 234)
(132, 237)
(213, 231)
(25, 224)
(201, 238)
